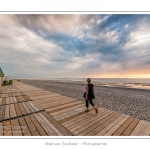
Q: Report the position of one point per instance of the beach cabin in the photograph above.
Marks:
(1, 77)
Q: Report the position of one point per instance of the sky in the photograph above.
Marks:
(75, 45)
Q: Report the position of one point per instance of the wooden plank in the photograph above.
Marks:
(68, 112)
(130, 128)
(38, 126)
(7, 114)
(12, 111)
(2, 112)
(23, 111)
(16, 130)
(21, 99)
(94, 128)
(0, 101)
(27, 98)
(1, 129)
(123, 127)
(60, 127)
(31, 126)
(26, 108)
(7, 101)
(3, 101)
(114, 128)
(10, 94)
(62, 107)
(55, 130)
(18, 111)
(102, 124)
(137, 128)
(48, 130)
(80, 118)
(38, 107)
(31, 108)
(107, 128)
(7, 128)
(87, 123)
(11, 100)
(17, 99)
(145, 130)
(25, 129)
(44, 96)
(35, 108)
(73, 116)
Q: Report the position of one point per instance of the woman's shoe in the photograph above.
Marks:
(96, 110)
(87, 110)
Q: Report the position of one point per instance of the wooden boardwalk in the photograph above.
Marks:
(29, 111)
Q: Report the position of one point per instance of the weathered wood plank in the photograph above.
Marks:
(3, 101)
(7, 128)
(35, 108)
(55, 130)
(114, 128)
(23, 111)
(30, 108)
(18, 111)
(123, 127)
(26, 108)
(12, 111)
(16, 130)
(61, 128)
(62, 107)
(87, 123)
(43, 97)
(137, 128)
(11, 100)
(107, 128)
(7, 101)
(130, 128)
(100, 126)
(48, 130)
(2, 112)
(145, 130)
(1, 129)
(17, 99)
(7, 113)
(25, 129)
(31, 126)
(21, 99)
(0, 101)
(82, 118)
(38, 126)
(93, 127)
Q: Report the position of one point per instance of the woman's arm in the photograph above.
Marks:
(87, 90)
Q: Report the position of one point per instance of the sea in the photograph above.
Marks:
(140, 83)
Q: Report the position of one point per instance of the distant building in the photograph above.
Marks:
(1, 77)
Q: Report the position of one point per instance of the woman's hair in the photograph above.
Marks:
(88, 80)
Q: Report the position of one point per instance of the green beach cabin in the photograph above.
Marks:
(1, 77)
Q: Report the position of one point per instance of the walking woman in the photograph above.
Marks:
(90, 95)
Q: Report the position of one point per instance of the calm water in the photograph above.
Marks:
(142, 83)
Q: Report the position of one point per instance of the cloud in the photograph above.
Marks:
(68, 44)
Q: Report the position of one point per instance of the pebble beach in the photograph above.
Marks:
(130, 101)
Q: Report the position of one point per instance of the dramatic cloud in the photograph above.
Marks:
(97, 45)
